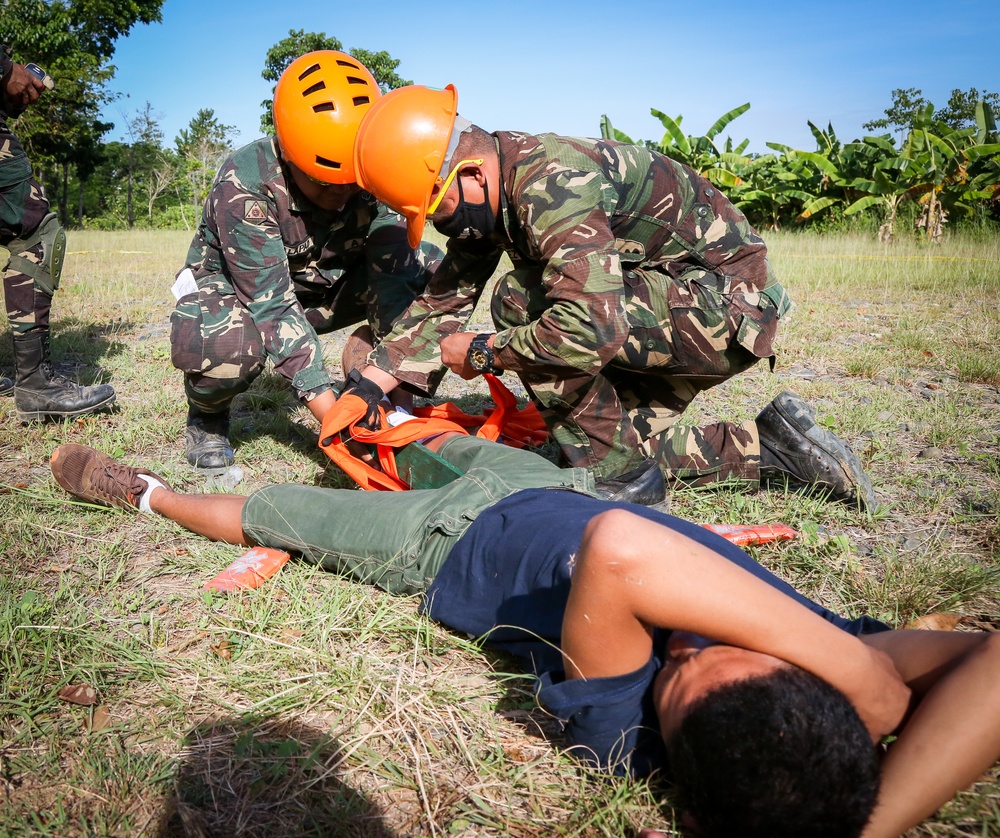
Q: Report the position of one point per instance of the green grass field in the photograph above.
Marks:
(313, 706)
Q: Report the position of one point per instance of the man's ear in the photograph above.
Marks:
(476, 171)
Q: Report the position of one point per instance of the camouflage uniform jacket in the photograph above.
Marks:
(273, 245)
(14, 165)
(577, 209)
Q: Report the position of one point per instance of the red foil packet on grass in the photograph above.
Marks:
(742, 535)
(251, 570)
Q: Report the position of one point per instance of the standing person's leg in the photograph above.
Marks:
(216, 344)
(36, 243)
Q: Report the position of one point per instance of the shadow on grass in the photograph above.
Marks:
(266, 410)
(265, 777)
(77, 348)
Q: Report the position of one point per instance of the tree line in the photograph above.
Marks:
(141, 180)
(929, 165)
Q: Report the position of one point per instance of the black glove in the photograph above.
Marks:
(358, 385)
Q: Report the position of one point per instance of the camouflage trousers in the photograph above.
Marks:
(686, 334)
(221, 351)
(22, 208)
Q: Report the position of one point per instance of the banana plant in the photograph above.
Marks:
(776, 187)
(721, 167)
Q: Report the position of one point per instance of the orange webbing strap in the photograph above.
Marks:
(344, 416)
(518, 428)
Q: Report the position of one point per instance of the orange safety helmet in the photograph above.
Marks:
(400, 149)
(318, 105)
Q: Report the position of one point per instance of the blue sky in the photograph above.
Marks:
(551, 65)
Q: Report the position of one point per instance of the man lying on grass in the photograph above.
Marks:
(659, 644)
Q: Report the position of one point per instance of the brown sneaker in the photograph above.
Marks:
(95, 477)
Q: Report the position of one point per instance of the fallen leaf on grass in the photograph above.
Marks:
(941, 621)
(79, 694)
(99, 719)
(223, 649)
(519, 752)
(289, 635)
(58, 568)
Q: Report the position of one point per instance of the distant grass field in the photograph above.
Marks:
(313, 706)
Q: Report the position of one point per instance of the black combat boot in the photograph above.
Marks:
(207, 439)
(797, 452)
(6, 386)
(643, 484)
(40, 393)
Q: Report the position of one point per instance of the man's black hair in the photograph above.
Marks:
(475, 142)
(775, 756)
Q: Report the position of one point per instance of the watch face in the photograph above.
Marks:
(478, 358)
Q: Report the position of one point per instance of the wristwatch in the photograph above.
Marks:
(481, 356)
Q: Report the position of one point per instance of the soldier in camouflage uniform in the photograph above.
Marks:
(34, 244)
(636, 285)
(288, 248)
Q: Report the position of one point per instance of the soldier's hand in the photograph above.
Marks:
(371, 393)
(22, 88)
(455, 354)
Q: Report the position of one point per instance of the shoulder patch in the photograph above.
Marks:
(254, 210)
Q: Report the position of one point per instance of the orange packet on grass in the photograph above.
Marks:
(251, 570)
(743, 534)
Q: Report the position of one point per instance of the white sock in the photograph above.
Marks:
(399, 416)
(151, 483)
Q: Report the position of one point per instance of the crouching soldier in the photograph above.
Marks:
(288, 248)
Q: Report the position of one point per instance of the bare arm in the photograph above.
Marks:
(633, 575)
(321, 404)
(953, 733)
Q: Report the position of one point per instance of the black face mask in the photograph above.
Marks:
(469, 221)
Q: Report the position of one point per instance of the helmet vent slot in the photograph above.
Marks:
(324, 106)
(308, 71)
(320, 85)
(329, 164)
(361, 100)
(356, 80)
(343, 63)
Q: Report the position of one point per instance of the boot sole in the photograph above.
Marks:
(864, 492)
(27, 416)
